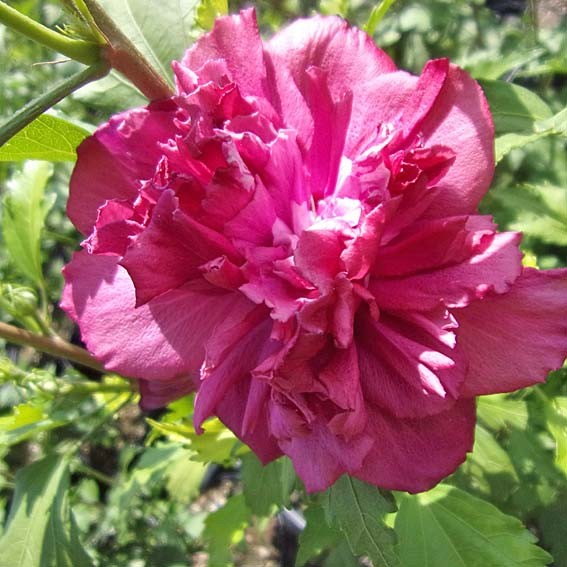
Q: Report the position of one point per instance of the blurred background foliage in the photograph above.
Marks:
(139, 490)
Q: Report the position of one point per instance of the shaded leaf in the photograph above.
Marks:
(488, 469)
(41, 531)
(317, 535)
(266, 486)
(514, 108)
(225, 528)
(358, 510)
(447, 527)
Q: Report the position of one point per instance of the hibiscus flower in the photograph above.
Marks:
(295, 236)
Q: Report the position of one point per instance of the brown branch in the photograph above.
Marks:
(55, 346)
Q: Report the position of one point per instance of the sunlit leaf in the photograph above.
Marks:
(500, 412)
(209, 10)
(24, 211)
(447, 527)
(160, 40)
(377, 14)
(216, 444)
(46, 138)
(556, 414)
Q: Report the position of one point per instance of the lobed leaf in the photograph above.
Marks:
(266, 486)
(358, 510)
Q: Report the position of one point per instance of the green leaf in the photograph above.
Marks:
(541, 212)
(317, 535)
(24, 212)
(161, 40)
(184, 477)
(556, 414)
(225, 528)
(358, 510)
(447, 527)
(113, 93)
(41, 531)
(209, 10)
(216, 444)
(488, 468)
(341, 556)
(499, 412)
(46, 138)
(505, 143)
(266, 486)
(557, 123)
(518, 115)
(514, 108)
(376, 16)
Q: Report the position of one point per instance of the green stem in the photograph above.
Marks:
(86, 52)
(40, 104)
(55, 346)
(95, 388)
(101, 477)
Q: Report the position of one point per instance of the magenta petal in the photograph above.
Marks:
(330, 126)
(461, 121)
(239, 344)
(347, 55)
(515, 340)
(236, 40)
(158, 341)
(155, 394)
(171, 250)
(494, 269)
(321, 457)
(408, 363)
(424, 98)
(244, 410)
(112, 161)
(414, 455)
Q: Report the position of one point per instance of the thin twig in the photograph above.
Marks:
(55, 346)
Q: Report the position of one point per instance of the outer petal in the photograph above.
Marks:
(119, 154)
(244, 410)
(321, 457)
(347, 55)
(414, 455)
(494, 269)
(460, 119)
(514, 340)
(158, 393)
(158, 341)
(236, 40)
